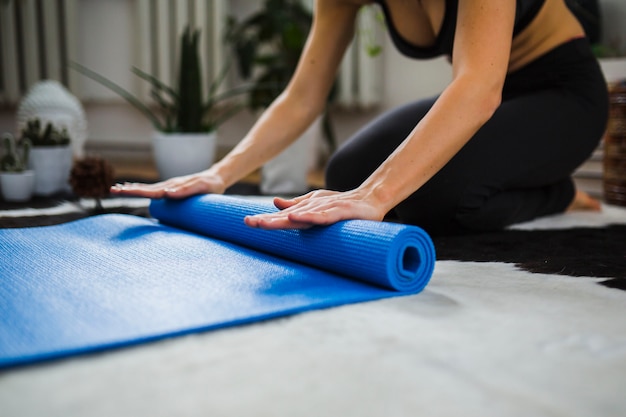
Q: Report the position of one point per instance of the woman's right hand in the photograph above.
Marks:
(177, 187)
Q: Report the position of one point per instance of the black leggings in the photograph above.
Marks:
(517, 167)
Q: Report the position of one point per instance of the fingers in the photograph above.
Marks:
(179, 187)
(295, 220)
(139, 190)
(283, 203)
(302, 212)
(270, 222)
(320, 217)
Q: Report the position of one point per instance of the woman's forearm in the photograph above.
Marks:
(305, 97)
(280, 125)
(456, 116)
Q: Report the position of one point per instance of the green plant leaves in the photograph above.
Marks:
(183, 109)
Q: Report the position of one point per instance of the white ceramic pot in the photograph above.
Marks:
(287, 173)
(17, 186)
(52, 166)
(178, 154)
(614, 69)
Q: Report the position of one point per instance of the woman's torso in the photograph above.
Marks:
(425, 28)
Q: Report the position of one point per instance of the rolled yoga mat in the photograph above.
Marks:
(114, 280)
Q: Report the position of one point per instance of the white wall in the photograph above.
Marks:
(106, 44)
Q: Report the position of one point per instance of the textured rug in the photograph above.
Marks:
(487, 337)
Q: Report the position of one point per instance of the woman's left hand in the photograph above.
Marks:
(320, 207)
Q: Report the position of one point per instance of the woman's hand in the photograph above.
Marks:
(320, 207)
(178, 187)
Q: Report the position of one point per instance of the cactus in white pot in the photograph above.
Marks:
(51, 156)
(16, 180)
(185, 119)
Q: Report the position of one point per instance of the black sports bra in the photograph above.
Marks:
(526, 10)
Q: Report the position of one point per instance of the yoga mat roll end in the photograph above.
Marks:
(414, 260)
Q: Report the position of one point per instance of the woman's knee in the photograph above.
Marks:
(454, 208)
(334, 175)
(370, 146)
(339, 176)
(433, 208)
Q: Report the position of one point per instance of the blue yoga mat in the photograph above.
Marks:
(114, 280)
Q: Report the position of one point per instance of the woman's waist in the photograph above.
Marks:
(568, 61)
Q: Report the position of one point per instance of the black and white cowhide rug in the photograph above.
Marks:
(598, 251)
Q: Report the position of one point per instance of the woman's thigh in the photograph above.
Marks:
(531, 142)
(360, 155)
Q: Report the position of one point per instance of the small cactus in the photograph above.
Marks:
(50, 136)
(15, 158)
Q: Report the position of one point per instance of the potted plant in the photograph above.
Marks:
(16, 180)
(50, 157)
(267, 46)
(185, 122)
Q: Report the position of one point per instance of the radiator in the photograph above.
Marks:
(160, 24)
(37, 38)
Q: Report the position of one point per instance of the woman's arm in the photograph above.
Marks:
(480, 59)
(305, 96)
(285, 119)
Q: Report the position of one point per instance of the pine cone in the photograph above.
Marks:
(91, 177)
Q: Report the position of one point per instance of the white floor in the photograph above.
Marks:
(483, 339)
